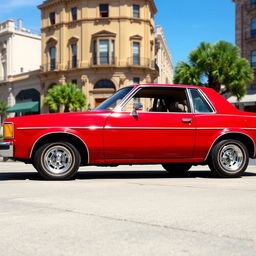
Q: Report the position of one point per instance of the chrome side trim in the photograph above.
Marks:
(31, 151)
(149, 128)
(226, 134)
(132, 128)
(59, 127)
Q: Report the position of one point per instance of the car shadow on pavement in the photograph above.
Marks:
(147, 175)
(84, 175)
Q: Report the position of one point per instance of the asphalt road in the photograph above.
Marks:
(137, 210)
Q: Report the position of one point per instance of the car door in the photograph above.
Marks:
(158, 131)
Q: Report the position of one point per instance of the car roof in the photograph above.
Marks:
(169, 85)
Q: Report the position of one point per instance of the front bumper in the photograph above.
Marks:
(6, 149)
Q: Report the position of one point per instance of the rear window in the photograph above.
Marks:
(199, 103)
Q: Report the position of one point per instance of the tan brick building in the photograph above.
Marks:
(99, 45)
(246, 41)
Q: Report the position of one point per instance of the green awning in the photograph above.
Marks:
(24, 107)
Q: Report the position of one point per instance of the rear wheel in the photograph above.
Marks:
(57, 160)
(177, 169)
(229, 158)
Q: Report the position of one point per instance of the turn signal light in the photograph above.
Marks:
(8, 130)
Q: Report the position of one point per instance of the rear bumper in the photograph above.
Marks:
(6, 149)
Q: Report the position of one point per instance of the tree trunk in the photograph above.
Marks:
(62, 108)
(212, 83)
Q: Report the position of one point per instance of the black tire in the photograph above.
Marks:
(177, 169)
(229, 159)
(57, 160)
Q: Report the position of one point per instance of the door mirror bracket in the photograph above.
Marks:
(136, 108)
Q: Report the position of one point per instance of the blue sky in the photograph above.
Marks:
(186, 23)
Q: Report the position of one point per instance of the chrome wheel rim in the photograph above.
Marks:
(231, 157)
(58, 159)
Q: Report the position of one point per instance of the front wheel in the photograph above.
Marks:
(177, 169)
(229, 158)
(57, 160)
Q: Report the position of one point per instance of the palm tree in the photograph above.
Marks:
(218, 66)
(65, 98)
(3, 108)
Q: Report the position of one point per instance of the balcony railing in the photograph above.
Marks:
(103, 61)
(142, 62)
(52, 66)
(74, 63)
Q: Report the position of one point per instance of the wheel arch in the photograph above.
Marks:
(242, 137)
(63, 136)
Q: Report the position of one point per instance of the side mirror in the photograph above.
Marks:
(136, 108)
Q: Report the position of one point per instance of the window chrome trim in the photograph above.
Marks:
(124, 101)
(207, 101)
(119, 108)
(190, 100)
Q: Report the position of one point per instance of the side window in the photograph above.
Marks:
(200, 104)
(161, 99)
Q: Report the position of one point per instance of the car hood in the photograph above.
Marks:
(76, 119)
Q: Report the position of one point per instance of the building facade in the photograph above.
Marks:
(20, 61)
(100, 46)
(246, 41)
(163, 58)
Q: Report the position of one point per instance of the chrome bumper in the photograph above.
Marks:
(6, 149)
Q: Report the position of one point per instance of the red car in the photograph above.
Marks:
(174, 125)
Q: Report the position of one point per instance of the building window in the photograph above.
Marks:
(52, 58)
(52, 18)
(253, 59)
(104, 84)
(136, 80)
(253, 28)
(136, 11)
(103, 52)
(136, 53)
(104, 10)
(74, 13)
(74, 55)
(74, 81)
(253, 3)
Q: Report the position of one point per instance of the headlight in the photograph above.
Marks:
(8, 130)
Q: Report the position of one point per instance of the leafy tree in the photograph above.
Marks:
(218, 66)
(3, 108)
(65, 98)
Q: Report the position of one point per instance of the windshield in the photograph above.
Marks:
(114, 100)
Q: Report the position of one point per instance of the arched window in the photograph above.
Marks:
(104, 84)
(28, 95)
(253, 27)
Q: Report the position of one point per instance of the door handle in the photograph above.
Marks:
(186, 120)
